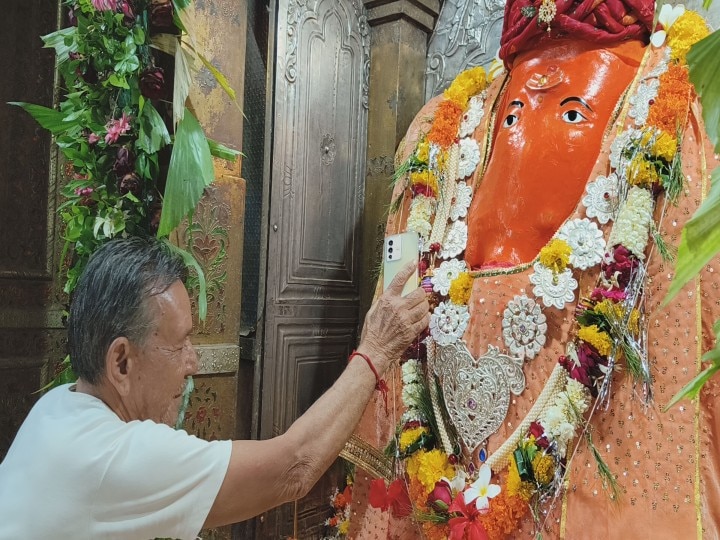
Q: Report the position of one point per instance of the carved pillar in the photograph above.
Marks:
(400, 31)
(215, 235)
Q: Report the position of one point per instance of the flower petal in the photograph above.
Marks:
(493, 490)
(658, 38)
(482, 503)
(484, 475)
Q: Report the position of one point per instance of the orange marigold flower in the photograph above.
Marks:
(672, 101)
(445, 126)
(504, 515)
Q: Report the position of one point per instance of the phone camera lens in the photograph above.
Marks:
(390, 250)
(390, 242)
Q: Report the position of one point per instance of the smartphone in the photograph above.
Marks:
(399, 250)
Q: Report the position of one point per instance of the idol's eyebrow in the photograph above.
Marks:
(516, 103)
(581, 101)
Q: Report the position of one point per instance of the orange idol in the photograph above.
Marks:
(548, 199)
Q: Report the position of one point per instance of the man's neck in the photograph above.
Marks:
(106, 393)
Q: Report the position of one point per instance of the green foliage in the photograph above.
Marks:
(700, 240)
(705, 76)
(111, 127)
(191, 170)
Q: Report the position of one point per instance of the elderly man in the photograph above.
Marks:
(98, 459)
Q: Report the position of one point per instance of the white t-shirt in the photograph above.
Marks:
(76, 470)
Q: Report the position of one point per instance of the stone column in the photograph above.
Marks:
(400, 30)
(215, 236)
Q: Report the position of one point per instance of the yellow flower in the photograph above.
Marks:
(469, 83)
(687, 30)
(344, 526)
(597, 338)
(425, 178)
(634, 322)
(555, 255)
(429, 467)
(423, 151)
(665, 147)
(641, 172)
(514, 485)
(409, 436)
(460, 289)
(610, 309)
(543, 468)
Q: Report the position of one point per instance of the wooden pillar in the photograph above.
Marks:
(400, 31)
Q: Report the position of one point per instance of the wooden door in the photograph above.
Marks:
(316, 196)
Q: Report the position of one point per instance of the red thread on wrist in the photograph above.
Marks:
(380, 384)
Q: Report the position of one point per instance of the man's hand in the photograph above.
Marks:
(394, 321)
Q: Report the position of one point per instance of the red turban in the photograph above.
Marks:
(604, 22)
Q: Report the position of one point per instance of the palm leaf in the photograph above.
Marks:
(57, 41)
(191, 170)
(705, 75)
(700, 240)
(191, 261)
(184, 67)
(153, 133)
(223, 152)
(50, 119)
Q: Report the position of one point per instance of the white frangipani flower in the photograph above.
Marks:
(481, 490)
(457, 484)
(668, 15)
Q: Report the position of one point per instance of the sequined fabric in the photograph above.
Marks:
(667, 464)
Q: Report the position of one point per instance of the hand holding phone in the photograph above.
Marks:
(399, 250)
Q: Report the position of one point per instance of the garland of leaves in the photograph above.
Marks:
(137, 159)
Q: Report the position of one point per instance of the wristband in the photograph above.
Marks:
(380, 384)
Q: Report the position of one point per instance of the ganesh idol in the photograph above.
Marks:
(548, 200)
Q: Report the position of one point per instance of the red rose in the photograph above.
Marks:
(124, 162)
(441, 496)
(130, 183)
(152, 83)
(161, 17)
(537, 431)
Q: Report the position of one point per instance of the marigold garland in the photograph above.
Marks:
(684, 33)
(429, 466)
(672, 102)
(445, 127)
(556, 255)
(466, 85)
(425, 178)
(410, 436)
(641, 172)
(461, 288)
(665, 146)
(600, 340)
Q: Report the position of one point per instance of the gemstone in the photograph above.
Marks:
(483, 455)
(472, 404)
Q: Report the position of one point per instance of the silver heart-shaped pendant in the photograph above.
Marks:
(477, 391)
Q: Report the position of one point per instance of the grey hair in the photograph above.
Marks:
(110, 299)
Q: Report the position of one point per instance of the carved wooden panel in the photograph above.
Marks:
(319, 168)
(316, 198)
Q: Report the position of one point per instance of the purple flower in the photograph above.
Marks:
(105, 5)
(124, 162)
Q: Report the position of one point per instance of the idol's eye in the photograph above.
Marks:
(573, 117)
(510, 120)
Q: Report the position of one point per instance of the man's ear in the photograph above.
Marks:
(119, 364)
